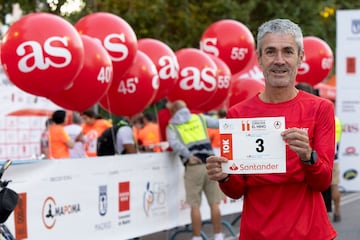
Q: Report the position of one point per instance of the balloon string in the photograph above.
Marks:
(157, 107)
(109, 107)
(156, 110)
(111, 117)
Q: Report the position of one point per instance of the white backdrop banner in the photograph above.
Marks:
(117, 197)
(22, 120)
(348, 97)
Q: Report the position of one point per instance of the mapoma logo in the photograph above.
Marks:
(51, 211)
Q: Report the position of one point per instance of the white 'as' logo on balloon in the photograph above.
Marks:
(39, 60)
(192, 79)
(304, 68)
(208, 45)
(169, 68)
(116, 47)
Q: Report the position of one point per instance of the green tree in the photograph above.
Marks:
(180, 23)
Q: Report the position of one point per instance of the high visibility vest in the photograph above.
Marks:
(338, 131)
(193, 134)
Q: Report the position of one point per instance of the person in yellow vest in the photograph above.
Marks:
(187, 136)
(335, 193)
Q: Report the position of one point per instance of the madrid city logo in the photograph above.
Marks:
(355, 26)
(51, 211)
(103, 200)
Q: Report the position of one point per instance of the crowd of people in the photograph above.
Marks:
(286, 205)
(69, 134)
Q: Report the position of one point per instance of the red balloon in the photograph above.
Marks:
(166, 64)
(242, 89)
(42, 53)
(318, 61)
(229, 40)
(252, 69)
(197, 78)
(115, 34)
(135, 90)
(223, 85)
(92, 82)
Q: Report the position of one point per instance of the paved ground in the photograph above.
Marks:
(348, 228)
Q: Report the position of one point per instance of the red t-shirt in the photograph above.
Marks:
(290, 205)
(163, 120)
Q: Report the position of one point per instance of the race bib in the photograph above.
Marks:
(253, 145)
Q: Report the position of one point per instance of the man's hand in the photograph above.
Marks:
(214, 170)
(193, 160)
(298, 140)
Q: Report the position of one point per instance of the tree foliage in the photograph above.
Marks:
(180, 23)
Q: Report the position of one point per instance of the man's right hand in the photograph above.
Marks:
(214, 170)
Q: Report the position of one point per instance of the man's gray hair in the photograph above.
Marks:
(282, 26)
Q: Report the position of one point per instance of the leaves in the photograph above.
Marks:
(180, 23)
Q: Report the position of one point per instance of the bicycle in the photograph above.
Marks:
(8, 202)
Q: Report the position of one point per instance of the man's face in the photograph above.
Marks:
(279, 59)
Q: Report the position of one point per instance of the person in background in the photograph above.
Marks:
(60, 142)
(92, 128)
(163, 117)
(326, 193)
(125, 140)
(335, 193)
(332, 194)
(137, 122)
(74, 130)
(44, 140)
(288, 205)
(303, 86)
(187, 136)
(148, 136)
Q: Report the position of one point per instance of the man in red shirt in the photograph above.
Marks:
(287, 205)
